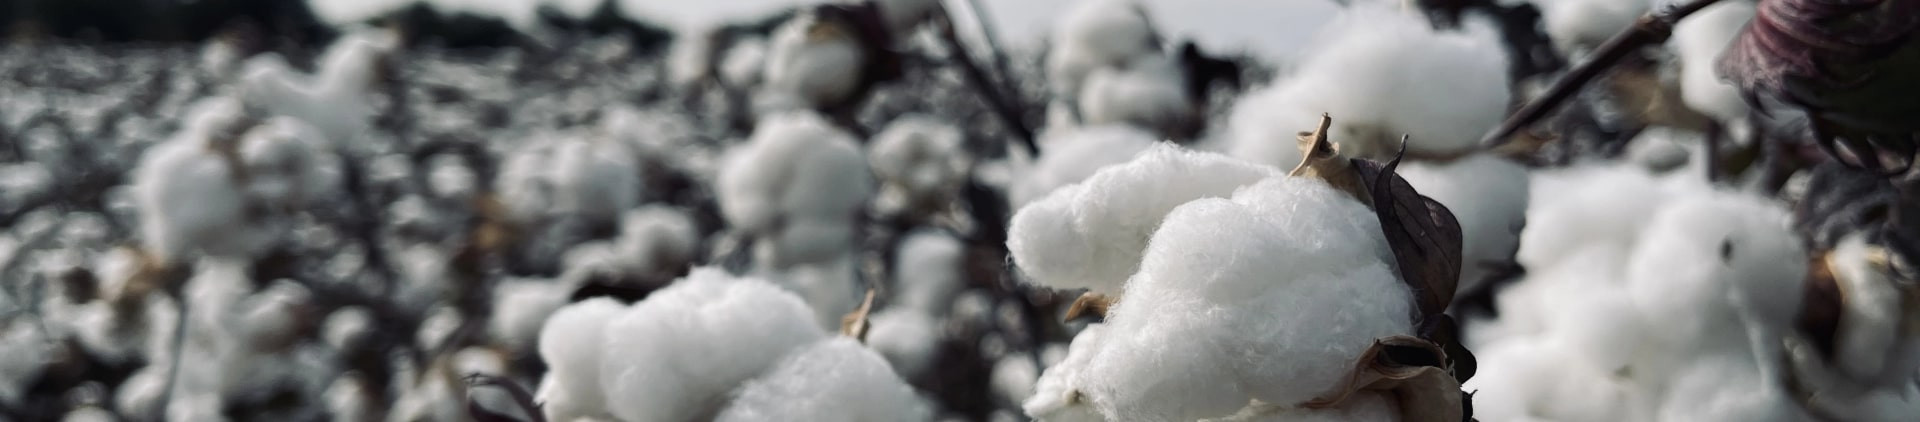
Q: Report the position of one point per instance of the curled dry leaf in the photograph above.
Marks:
(1320, 159)
(1423, 234)
(1406, 370)
(855, 324)
(1089, 304)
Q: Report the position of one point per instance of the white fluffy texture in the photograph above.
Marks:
(1147, 91)
(675, 355)
(1092, 235)
(595, 179)
(798, 185)
(928, 270)
(919, 160)
(1364, 406)
(1699, 40)
(1055, 397)
(1528, 381)
(348, 328)
(525, 179)
(1587, 208)
(690, 57)
(813, 61)
(902, 16)
(744, 63)
(521, 307)
(1269, 295)
(1579, 25)
(1014, 376)
(336, 99)
(288, 163)
(1380, 74)
(1069, 155)
(836, 379)
(188, 201)
(655, 240)
(1095, 34)
(571, 345)
(829, 288)
(908, 339)
(1488, 195)
(25, 352)
(1727, 389)
(1712, 268)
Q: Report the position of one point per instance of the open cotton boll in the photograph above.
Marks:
(1531, 380)
(1382, 73)
(1710, 265)
(1055, 395)
(1148, 91)
(815, 60)
(571, 345)
(1091, 235)
(521, 307)
(829, 288)
(1093, 34)
(595, 179)
(1586, 207)
(1726, 389)
(525, 180)
(1072, 154)
(927, 271)
(906, 337)
(657, 240)
(335, 100)
(1579, 25)
(743, 64)
(836, 379)
(1488, 195)
(1013, 377)
(25, 351)
(188, 202)
(798, 182)
(1699, 40)
(690, 57)
(919, 160)
(1294, 271)
(287, 163)
(675, 355)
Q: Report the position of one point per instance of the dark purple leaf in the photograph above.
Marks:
(1423, 234)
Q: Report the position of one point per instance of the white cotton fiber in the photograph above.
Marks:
(1147, 91)
(836, 379)
(25, 352)
(657, 240)
(928, 269)
(287, 163)
(920, 161)
(571, 344)
(798, 184)
(336, 100)
(1578, 25)
(188, 201)
(1013, 377)
(595, 179)
(1531, 380)
(816, 61)
(1069, 155)
(902, 16)
(1707, 261)
(1586, 207)
(521, 308)
(1380, 74)
(675, 355)
(1488, 196)
(829, 288)
(1094, 34)
(908, 338)
(1699, 40)
(1727, 389)
(1092, 234)
(1056, 396)
(743, 63)
(1869, 334)
(1362, 406)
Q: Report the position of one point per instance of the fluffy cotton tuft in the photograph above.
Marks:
(1699, 40)
(920, 161)
(1488, 195)
(1094, 34)
(657, 241)
(798, 183)
(571, 345)
(597, 180)
(1070, 155)
(188, 201)
(814, 61)
(1147, 91)
(1708, 263)
(1578, 25)
(675, 355)
(1092, 234)
(1380, 74)
(521, 307)
(837, 379)
(336, 100)
(927, 271)
(908, 339)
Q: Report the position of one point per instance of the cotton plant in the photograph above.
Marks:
(336, 99)
(928, 271)
(712, 346)
(1235, 291)
(921, 164)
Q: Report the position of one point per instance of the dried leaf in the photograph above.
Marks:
(1423, 234)
(520, 397)
(1402, 368)
(1320, 159)
(1443, 331)
(1089, 304)
(855, 324)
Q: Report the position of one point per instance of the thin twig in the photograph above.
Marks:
(1651, 28)
(988, 33)
(958, 53)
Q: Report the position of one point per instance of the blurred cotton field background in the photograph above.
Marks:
(998, 210)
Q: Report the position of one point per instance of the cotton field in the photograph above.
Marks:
(959, 210)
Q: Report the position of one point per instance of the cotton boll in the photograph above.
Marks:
(1277, 252)
(799, 183)
(275, 317)
(1091, 235)
(1699, 40)
(595, 180)
(1709, 262)
(814, 60)
(675, 355)
(1014, 377)
(347, 328)
(1581, 208)
(743, 64)
(1056, 394)
(1529, 380)
(690, 57)
(920, 161)
(571, 345)
(25, 351)
(907, 338)
(1578, 25)
(520, 308)
(1072, 154)
(525, 182)
(1713, 389)
(657, 240)
(1488, 195)
(1147, 91)
(1382, 74)
(829, 288)
(188, 202)
(834, 379)
(927, 271)
(335, 100)
(286, 163)
(1094, 34)
(347, 399)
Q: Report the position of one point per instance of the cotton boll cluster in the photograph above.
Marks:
(1699, 41)
(920, 163)
(1092, 234)
(335, 99)
(926, 276)
(1094, 34)
(835, 379)
(1146, 91)
(812, 63)
(1070, 155)
(1169, 347)
(797, 185)
(187, 194)
(1384, 73)
(1488, 195)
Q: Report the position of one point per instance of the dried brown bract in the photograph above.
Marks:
(855, 324)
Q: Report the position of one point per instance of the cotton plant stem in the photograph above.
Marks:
(984, 20)
(1010, 115)
(1651, 28)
